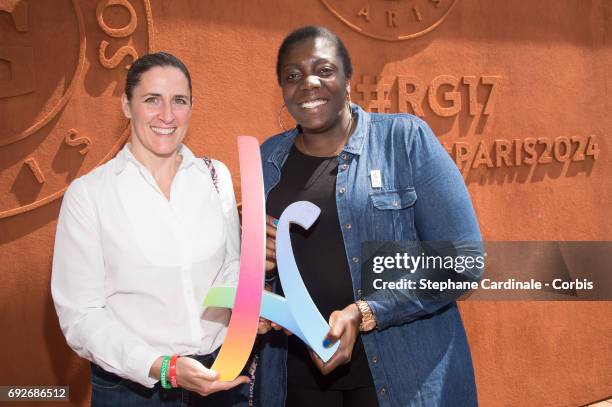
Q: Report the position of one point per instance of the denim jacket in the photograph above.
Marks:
(418, 354)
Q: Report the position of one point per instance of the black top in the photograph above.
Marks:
(321, 258)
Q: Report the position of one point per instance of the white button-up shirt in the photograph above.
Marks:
(131, 268)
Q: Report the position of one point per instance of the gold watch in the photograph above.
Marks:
(368, 322)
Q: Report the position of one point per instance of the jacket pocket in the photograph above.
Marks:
(393, 214)
(394, 199)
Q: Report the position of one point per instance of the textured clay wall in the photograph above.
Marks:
(518, 91)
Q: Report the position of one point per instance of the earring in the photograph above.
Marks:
(349, 102)
(279, 117)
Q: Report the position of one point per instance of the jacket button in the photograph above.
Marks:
(348, 226)
(342, 190)
(343, 156)
(344, 167)
(395, 203)
(383, 391)
(358, 293)
(355, 259)
(375, 359)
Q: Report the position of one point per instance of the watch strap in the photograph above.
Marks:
(368, 322)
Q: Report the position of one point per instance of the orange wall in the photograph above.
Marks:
(520, 69)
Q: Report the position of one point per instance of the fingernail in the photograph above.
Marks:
(326, 343)
(275, 221)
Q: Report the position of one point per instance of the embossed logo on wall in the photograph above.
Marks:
(472, 97)
(62, 67)
(391, 20)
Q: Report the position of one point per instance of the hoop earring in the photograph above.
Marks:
(279, 117)
(349, 102)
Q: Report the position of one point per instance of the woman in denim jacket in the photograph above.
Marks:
(376, 177)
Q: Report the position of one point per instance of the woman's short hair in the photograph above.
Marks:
(309, 32)
(148, 61)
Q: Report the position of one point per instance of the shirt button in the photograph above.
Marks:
(383, 391)
(342, 190)
(348, 226)
(355, 260)
(375, 359)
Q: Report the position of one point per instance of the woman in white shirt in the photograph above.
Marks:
(139, 242)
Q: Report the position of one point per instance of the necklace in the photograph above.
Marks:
(347, 133)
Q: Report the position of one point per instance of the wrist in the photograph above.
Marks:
(354, 312)
(155, 369)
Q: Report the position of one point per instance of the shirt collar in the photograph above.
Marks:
(125, 155)
(190, 159)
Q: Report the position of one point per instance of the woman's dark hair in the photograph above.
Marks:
(309, 32)
(148, 61)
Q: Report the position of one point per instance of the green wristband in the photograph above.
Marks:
(164, 372)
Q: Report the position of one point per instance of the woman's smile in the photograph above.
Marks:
(163, 131)
(312, 104)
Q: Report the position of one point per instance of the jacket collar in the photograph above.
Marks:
(357, 140)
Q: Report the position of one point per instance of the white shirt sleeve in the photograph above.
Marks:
(77, 287)
(231, 265)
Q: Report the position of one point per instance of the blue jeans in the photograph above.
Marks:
(110, 390)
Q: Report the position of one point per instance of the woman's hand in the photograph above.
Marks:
(194, 376)
(266, 326)
(270, 243)
(344, 326)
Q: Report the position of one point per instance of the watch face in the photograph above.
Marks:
(62, 72)
(391, 20)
